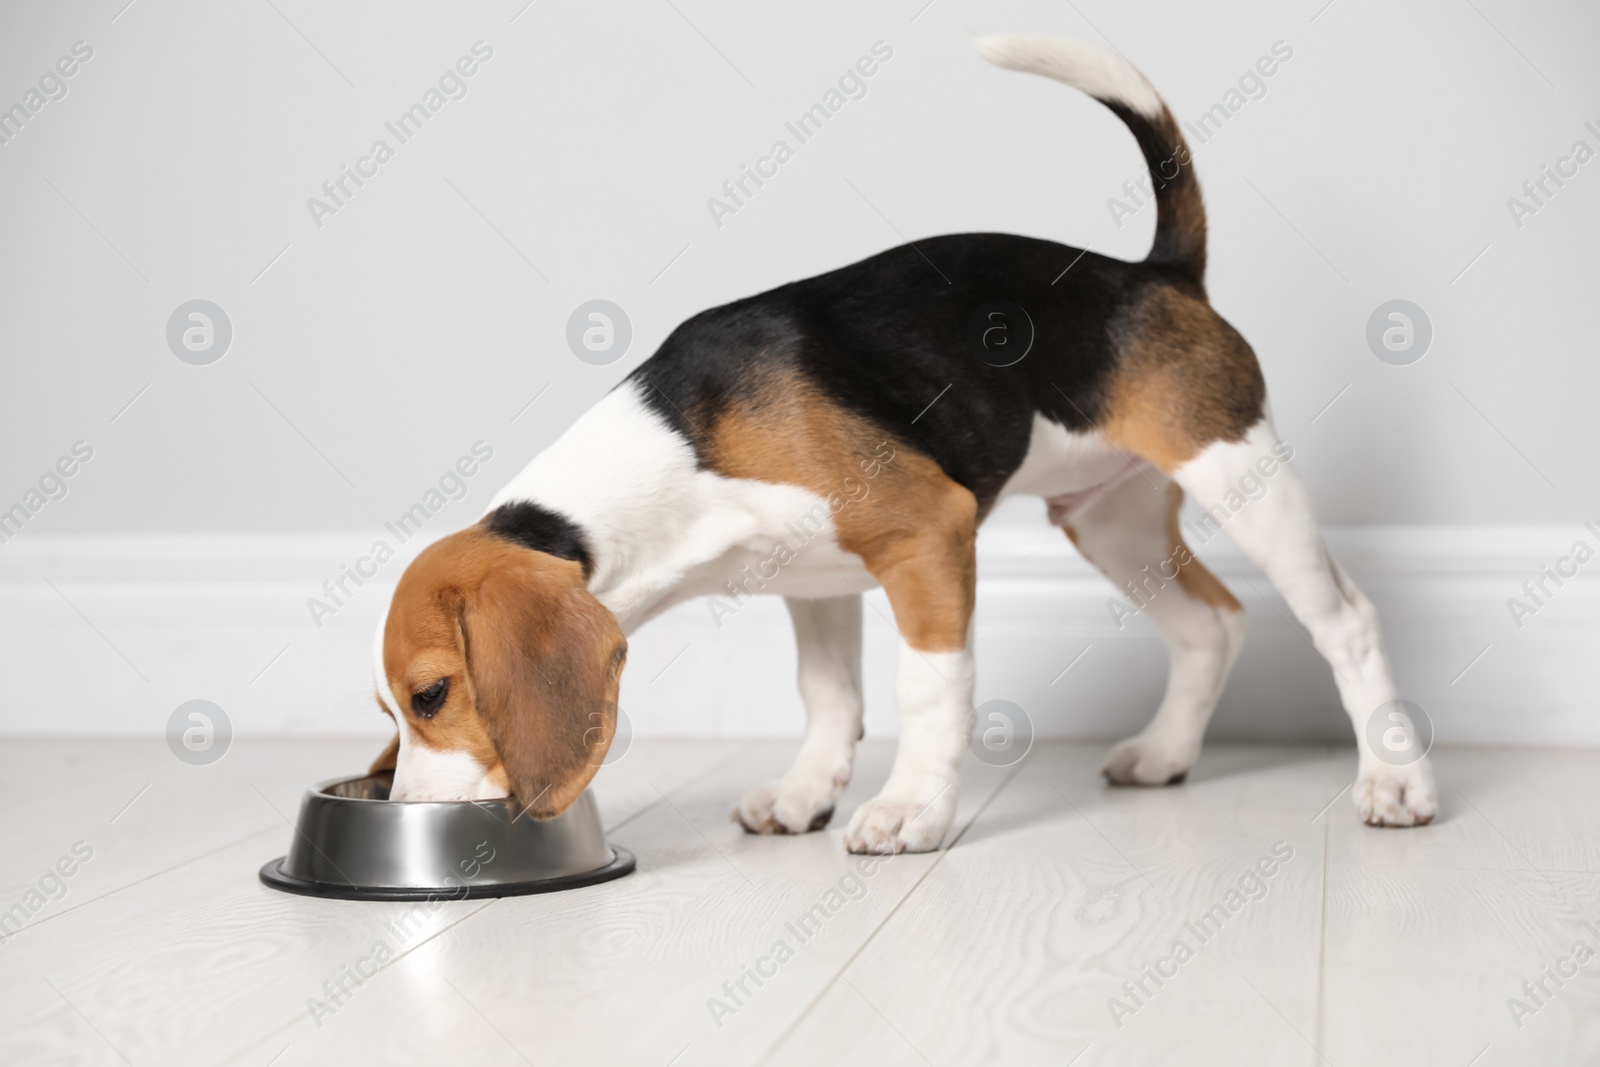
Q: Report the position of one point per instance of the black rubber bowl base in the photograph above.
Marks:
(272, 875)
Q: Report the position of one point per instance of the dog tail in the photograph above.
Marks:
(1180, 216)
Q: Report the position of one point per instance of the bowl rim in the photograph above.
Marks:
(319, 792)
(272, 876)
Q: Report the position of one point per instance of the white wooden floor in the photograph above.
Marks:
(1364, 947)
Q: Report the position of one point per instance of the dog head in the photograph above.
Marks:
(500, 670)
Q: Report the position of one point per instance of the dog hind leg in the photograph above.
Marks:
(1131, 534)
(1278, 531)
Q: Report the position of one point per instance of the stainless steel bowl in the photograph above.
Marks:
(353, 843)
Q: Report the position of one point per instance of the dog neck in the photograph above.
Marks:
(632, 487)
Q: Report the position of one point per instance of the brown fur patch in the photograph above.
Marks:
(1193, 576)
(533, 659)
(1184, 379)
(913, 527)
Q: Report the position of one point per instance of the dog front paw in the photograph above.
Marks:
(887, 824)
(1396, 796)
(1145, 760)
(793, 805)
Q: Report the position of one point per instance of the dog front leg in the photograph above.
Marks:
(930, 577)
(828, 634)
(918, 802)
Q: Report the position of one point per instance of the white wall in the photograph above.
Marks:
(429, 310)
(126, 629)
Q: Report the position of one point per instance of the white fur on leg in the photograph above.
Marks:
(1124, 532)
(1277, 529)
(828, 632)
(1200, 658)
(1395, 796)
(918, 802)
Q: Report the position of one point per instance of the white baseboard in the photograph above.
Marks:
(107, 635)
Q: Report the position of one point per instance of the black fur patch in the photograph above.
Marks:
(1180, 238)
(891, 338)
(542, 530)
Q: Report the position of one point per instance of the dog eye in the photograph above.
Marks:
(426, 702)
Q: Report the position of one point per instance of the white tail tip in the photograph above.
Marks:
(1102, 74)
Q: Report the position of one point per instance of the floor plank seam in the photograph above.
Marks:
(290, 1022)
(943, 852)
(1322, 923)
(1018, 936)
(154, 874)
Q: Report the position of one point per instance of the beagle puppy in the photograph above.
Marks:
(852, 430)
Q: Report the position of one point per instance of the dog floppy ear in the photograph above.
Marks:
(544, 660)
